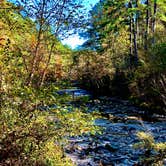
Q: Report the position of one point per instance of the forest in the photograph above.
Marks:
(100, 104)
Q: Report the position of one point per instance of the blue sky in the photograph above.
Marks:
(89, 3)
(74, 40)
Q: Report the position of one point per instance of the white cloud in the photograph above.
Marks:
(73, 41)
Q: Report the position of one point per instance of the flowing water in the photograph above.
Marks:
(120, 122)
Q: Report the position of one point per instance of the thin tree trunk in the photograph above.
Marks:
(47, 64)
(135, 42)
(34, 60)
(134, 24)
(154, 21)
(131, 40)
(147, 26)
(138, 32)
(131, 44)
(131, 37)
(137, 23)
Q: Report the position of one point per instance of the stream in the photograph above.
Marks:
(120, 122)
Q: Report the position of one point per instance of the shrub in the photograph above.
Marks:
(154, 153)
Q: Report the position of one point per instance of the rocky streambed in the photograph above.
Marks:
(120, 123)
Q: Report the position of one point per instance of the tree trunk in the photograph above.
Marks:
(46, 67)
(135, 43)
(154, 21)
(147, 26)
(131, 38)
(131, 44)
(134, 29)
(34, 60)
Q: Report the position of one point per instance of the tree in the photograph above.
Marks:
(57, 17)
(147, 24)
(154, 20)
(135, 17)
(135, 29)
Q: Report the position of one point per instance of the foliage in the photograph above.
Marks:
(158, 57)
(126, 39)
(31, 61)
(129, 36)
(154, 152)
(30, 136)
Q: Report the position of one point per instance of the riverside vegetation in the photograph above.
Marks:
(124, 56)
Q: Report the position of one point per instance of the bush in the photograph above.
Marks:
(154, 153)
(29, 136)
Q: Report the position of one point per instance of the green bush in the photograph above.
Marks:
(154, 153)
(29, 136)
